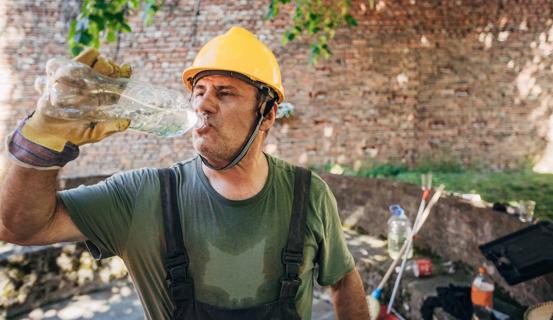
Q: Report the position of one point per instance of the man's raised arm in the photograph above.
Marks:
(30, 212)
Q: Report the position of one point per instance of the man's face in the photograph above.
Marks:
(227, 107)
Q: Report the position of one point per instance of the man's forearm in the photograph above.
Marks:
(27, 200)
(349, 297)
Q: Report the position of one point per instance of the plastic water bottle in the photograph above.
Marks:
(481, 295)
(399, 229)
(73, 90)
(424, 267)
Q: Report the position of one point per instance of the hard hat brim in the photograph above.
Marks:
(190, 73)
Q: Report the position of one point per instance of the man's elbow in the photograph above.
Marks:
(13, 232)
(7, 235)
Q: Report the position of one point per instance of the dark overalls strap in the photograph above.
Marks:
(180, 284)
(292, 255)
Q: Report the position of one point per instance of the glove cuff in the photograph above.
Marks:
(32, 155)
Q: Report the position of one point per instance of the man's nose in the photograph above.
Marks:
(206, 103)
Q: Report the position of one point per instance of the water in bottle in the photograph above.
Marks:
(481, 294)
(399, 230)
(75, 91)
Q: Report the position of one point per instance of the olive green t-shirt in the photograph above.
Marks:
(234, 246)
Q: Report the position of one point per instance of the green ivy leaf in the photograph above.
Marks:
(99, 20)
(100, 5)
(76, 50)
(318, 20)
(84, 37)
(72, 29)
(111, 36)
(273, 10)
(125, 27)
(287, 37)
(350, 20)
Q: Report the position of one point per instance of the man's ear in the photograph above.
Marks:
(270, 118)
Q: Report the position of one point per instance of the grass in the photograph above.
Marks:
(493, 186)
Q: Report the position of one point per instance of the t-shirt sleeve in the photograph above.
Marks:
(334, 258)
(103, 212)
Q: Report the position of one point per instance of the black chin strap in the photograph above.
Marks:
(246, 146)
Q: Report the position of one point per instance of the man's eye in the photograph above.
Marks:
(226, 93)
(198, 94)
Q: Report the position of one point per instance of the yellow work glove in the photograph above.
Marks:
(54, 133)
(62, 137)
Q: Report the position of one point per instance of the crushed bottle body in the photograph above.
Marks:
(76, 91)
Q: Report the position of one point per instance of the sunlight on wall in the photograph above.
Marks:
(402, 79)
(530, 89)
(545, 164)
(271, 148)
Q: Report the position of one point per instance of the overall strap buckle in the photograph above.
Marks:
(177, 269)
(181, 287)
(289, 287)
(292, 262)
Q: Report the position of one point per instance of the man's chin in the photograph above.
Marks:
(214, 163)
(208, 155)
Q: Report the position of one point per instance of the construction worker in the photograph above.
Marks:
(232, 233)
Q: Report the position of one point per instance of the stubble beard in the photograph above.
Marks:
(216, 153)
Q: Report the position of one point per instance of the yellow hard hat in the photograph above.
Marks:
(238, 50)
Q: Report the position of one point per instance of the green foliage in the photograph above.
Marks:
(106, 19)
(440, 162)
(317, 20)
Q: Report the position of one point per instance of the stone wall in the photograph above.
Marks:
(462, 80)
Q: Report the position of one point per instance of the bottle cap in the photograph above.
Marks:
(396, 210)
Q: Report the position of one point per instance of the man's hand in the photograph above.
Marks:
(48, 143)
(348, 296)
(54, 133)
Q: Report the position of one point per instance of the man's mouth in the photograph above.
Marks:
(202, 125)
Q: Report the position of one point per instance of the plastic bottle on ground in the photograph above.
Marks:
(481, 295)
(399, 229)
(425, 267)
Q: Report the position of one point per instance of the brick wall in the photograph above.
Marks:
(468, 80)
